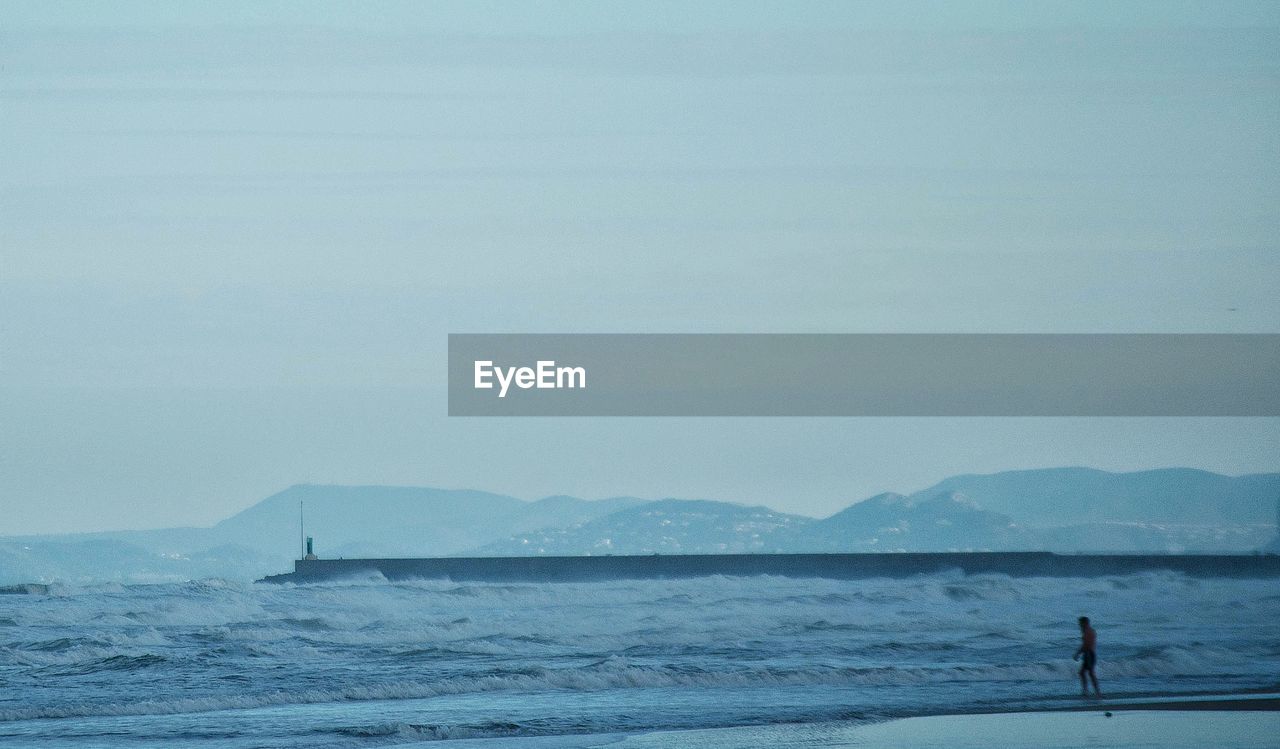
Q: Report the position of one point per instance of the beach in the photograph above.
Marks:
(1220, 721)
(1165, 728)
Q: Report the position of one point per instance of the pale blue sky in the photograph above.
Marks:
(233, 237)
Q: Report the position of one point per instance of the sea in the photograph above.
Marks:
(369, 662)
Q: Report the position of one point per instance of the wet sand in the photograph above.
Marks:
(1218, 704)
(1224, 722)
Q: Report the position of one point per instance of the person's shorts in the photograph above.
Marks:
(1090, 660)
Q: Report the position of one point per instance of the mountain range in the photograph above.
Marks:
(1056, 509)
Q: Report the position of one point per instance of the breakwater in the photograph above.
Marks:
(833, 566)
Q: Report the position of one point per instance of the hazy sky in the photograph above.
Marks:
(234, 236)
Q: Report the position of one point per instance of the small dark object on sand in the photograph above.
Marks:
(1107, 713)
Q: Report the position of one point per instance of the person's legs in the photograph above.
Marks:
(1090, 660)
(1086, 673)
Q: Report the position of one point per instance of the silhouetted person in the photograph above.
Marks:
(1089, 649)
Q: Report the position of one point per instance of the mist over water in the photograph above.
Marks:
(369, 662)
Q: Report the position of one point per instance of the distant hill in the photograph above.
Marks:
(400, 521)
(1066, 496)
(1056, 509)
(1064, 510)
(345, 521)
(947, 521)
(667, 526)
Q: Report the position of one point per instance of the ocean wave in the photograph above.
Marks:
(110, 663)
(242, 646)
(609, 673)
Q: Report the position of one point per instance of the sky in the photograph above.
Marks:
(234, 236)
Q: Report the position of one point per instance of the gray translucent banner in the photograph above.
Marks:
(864, 375)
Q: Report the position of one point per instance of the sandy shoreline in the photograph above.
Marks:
(1223, 721)
(1216, 704)
(1268, 701)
